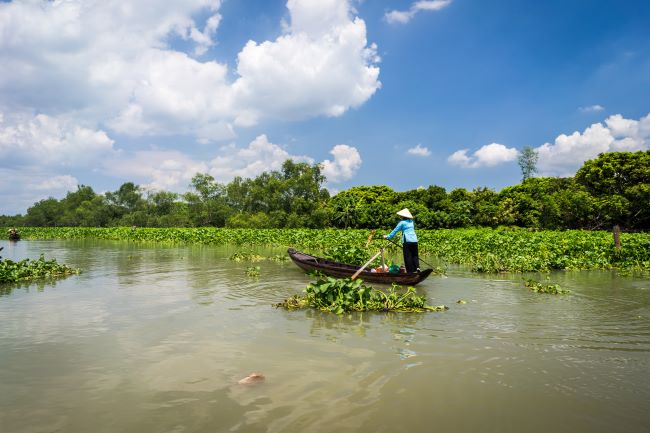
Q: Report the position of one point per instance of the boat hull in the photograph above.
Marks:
(310, 263)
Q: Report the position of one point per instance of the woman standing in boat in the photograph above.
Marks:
(409, 240)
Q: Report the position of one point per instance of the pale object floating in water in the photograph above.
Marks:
(252, 379)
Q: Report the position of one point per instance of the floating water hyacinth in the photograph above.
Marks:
(11, 272)
(537, 287)
(253, 271)
(483, 250)
(345, 295)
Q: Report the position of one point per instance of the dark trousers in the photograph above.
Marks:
(411, 259)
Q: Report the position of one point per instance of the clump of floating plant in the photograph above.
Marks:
(11, 272)
(538, 287)
(246, 256)
(345, 295)
(279, 258)
(253, 271)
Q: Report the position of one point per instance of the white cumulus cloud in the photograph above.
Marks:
(567, 153)
(172, 170)
(44, 140)
(62, 182)
(404, 16)
(156, 169)
(347, 161)
(114, 63)
(21, 187)
(323, 65)
(419, 150)
(260, 155)
(487, 156)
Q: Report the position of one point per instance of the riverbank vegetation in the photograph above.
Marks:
(542, 224)
(346, 295)
(480, 249)
(613, 189)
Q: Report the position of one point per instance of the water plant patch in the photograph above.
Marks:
(538, 287)
(345, 295)
(11, 272)
(483, 250)
(253, 271)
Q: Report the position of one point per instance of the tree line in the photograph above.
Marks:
(613, 189)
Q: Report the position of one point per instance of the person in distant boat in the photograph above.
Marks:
(409, 240)
(13, 234)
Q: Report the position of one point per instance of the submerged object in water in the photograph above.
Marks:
(252, 379)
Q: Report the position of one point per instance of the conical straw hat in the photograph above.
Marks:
(405, 213)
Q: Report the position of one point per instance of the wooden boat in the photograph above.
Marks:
(340, 270)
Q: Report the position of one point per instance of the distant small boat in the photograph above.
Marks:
(14, 236)
(311, 263)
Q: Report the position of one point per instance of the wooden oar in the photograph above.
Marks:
(370, 236)
(356, 274)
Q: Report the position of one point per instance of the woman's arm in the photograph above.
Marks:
(397, 228)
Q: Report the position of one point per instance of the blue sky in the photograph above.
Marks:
(401, 93)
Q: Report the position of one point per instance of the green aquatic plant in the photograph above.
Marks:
(345, 295)
(483, 250)
(246, 256)
(11, 272)
(349, 254)
(538, 287)
(253, 271)
(280, 258)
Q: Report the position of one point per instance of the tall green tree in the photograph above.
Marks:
(528, 162)
(207, 204)
(44, 213)
(621, 183)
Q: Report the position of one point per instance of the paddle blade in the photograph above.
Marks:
(370, 236)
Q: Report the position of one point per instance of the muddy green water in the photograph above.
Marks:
(154, 339)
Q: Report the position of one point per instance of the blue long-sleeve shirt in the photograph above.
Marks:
(407, 227)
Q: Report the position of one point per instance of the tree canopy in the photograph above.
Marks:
(613, 188)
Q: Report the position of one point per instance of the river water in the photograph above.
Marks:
(154, 338)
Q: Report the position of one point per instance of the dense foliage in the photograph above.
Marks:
(611, 189)
(11, 272)
(482, 249)
(345, 295)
